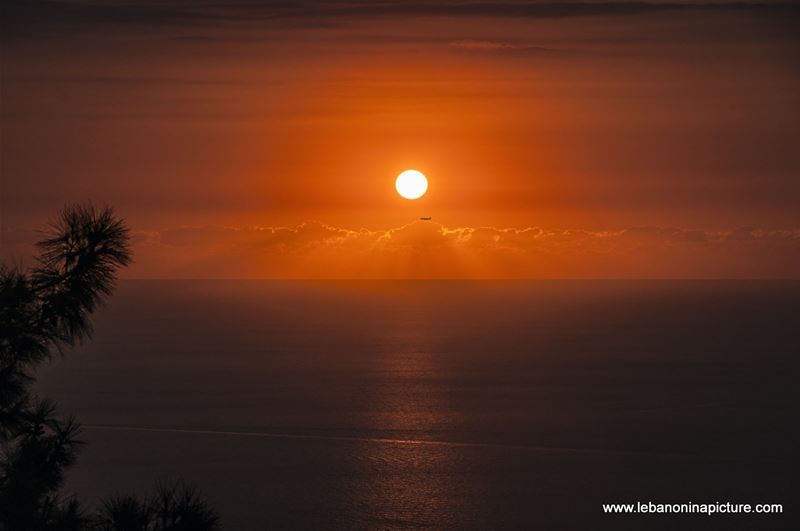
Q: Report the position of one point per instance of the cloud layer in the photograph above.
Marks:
(431, 250)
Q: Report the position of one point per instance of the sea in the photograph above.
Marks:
(463, 405)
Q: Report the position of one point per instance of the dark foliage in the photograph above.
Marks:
(173, 507)
(48, 310)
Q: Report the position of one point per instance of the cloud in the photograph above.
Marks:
(431, 250)
(473, 45)
(22, 15)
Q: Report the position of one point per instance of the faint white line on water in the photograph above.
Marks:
(387, 440)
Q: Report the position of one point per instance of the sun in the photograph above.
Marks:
(411, 184)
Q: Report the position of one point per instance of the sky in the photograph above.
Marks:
(262, 139)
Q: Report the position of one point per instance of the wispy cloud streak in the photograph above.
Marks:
(23, 14)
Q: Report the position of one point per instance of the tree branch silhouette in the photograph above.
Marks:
(49, 310)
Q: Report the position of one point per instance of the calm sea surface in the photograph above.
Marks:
(443, 405)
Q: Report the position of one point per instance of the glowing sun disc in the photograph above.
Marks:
(411, 184)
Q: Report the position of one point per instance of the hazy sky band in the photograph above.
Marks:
(22, 13)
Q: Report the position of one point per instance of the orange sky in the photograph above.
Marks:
(257, 118)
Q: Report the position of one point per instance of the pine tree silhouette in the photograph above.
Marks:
(47, 311)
